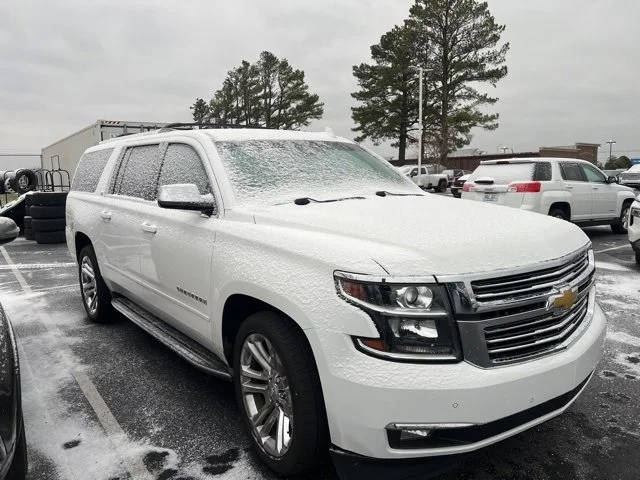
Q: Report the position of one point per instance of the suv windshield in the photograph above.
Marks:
(275, 171)
(505, 173)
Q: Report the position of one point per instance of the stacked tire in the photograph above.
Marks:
(47, 217)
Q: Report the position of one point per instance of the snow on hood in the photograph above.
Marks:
(418, 235)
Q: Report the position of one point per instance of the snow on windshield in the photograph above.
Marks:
(505, 173)
(635, 168)
(273, 171)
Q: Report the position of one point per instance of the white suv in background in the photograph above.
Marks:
(631, 177)
(307, 271)
(565, 188)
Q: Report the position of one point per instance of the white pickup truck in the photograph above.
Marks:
(307, 271)
(429, 178)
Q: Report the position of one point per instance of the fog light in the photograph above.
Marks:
(408, 435)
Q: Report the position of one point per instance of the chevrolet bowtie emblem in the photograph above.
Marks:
(565, 300)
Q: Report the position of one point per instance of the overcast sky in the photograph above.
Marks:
(573, 64)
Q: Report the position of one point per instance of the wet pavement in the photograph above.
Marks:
(108, 402)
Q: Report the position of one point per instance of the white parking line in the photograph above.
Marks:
(38, 265)
(612, 248)
(110, 425)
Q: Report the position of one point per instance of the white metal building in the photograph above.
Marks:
(66, 152)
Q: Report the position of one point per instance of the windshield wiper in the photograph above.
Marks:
(384, 193)
(308, 200)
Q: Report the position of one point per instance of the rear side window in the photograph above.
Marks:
(182, 164)
(89, 170)
(571, 172)
(542, 172)
(137, 175)
(505, 173)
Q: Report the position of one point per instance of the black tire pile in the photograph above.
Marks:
(44, 219)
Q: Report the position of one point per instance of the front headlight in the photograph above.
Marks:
(414, 320)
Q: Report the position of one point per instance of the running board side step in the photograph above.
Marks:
(183, 346)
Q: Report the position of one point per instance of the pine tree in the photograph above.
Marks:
(463, 50)
(388, 91)
(200, 110)
(269, 93)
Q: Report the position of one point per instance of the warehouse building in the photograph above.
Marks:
(66, 152)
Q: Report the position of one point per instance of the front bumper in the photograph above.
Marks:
(363, 395)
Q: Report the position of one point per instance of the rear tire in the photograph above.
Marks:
(620, 226)
(47, 224)
(637, 256)
(299, 405)
(558, 213)
(19, 466)
(96, 297)
(43, 211)
(49, 237)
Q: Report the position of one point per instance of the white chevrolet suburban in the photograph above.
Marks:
(305, 269)
(566, 188)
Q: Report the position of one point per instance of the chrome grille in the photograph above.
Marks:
(534, 336)
(512, 318)
(535, 283)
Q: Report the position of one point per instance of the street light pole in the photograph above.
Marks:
(420, 128)
(610, 142)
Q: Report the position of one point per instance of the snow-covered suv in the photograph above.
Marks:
(565, 188)
(307, 270)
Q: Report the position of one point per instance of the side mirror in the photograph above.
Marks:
(9, 231)
(612, 180)
(186, 196)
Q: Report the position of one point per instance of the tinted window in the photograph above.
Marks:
(592, 174)
(542, 172)
(89, 170)
(572, 172)
(138, 172)
(182, 164)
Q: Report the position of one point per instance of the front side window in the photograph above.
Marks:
(572, 172)
(592, 174)
(276, 171)
(89, 170)
(182, 164)
(137, 175)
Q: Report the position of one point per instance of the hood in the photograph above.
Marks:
(418, 235)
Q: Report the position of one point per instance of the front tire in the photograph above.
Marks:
(442, 186)
(19, 466)
(622, 224)
(279, 394)
(637, 256)
(96, 296)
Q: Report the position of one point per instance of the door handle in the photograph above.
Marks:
(570, 187)
(149, 228)
(596, 188)
(106, 215)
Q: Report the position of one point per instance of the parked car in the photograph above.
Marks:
(453, 174)
(429, 178)
(308, 271)
(631, 177)
(565, 188)
(13, 447)
(458, 184)
(634, 228)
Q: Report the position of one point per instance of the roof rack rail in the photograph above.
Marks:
(200, 126)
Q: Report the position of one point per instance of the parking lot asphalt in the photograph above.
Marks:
(108, 402)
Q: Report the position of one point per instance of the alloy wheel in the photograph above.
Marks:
(266, 395)
(88, 285)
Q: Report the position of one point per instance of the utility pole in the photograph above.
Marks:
(610, 142)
